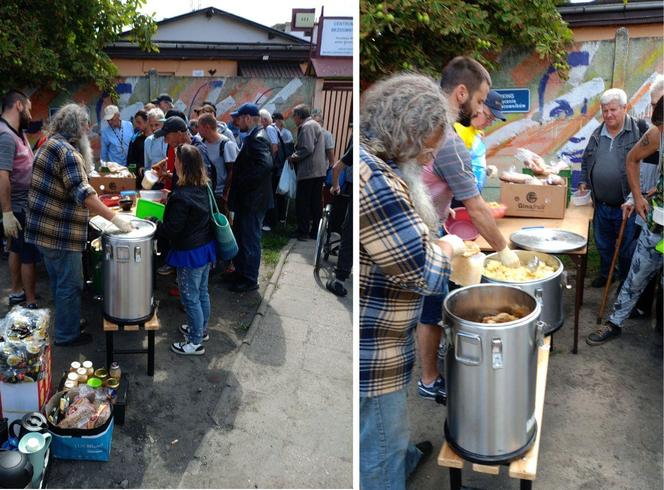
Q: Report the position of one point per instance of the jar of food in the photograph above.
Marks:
(72, 377)
(69, 384)
(112, 385)
(74, 366)
(101, 373)
(82, 375)
(115, 371)
(88, 367)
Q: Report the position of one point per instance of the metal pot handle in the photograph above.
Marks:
(539, 336)
(566, 284)
(469, 339)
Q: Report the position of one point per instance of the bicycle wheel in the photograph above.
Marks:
(321, 238)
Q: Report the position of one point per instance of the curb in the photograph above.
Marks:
(267, 295)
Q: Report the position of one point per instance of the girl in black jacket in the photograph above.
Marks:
(187, 226)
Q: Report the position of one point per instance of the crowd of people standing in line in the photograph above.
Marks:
(46, 197)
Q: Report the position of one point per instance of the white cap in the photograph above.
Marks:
(110, 112)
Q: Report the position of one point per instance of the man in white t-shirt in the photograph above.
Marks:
(273, 134)
(222, 152)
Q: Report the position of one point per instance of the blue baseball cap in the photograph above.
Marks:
(495, 103)
(246, 110)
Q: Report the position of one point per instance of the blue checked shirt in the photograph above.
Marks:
(57, 217)
(398, 264)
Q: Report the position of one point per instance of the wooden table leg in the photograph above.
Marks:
(581, 262)
(109, 348)
(150, 352)
(455, 478)
(526, 484)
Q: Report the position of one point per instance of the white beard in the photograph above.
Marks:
(411, 172)
(83, 146)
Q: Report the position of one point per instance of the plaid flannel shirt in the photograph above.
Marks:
(398, 264)
(57, 217)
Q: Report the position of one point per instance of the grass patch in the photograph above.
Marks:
(273, 242)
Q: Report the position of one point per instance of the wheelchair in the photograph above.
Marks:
(330, 226)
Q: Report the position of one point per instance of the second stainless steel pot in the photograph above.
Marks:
(549, 288)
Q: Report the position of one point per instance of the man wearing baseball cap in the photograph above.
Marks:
(115, 136)
(164, 102)
(473, 135)
(250, 196)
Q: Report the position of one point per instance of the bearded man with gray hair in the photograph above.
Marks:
(59, 201)
(402, 125)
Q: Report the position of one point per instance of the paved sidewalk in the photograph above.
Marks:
(285, 416)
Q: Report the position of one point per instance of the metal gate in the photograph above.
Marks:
(338, 112)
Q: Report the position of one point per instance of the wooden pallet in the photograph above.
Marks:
(524, 468)
(150, 326)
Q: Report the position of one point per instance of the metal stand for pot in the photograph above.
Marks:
(150, 326)
(525, 468)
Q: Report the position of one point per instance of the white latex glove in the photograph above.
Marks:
(509, 258)
(10, 224)
(458, 247)
(122, 224)
(491, 171)
(452, 213)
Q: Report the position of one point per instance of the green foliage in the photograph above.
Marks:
(50, 44)
(423, 35)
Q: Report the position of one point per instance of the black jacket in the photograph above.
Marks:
(251, 185)
(187, 218)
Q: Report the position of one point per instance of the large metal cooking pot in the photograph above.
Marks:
(128, 286)
(550, 288)
(491, 372)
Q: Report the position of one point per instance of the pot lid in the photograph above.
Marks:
(142, 228)
(549, 240)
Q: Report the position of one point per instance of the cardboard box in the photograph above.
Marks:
(534, 201)
(112, 184)
(18, 399)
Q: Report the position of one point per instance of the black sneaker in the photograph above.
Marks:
(429, 392)
(84, 338)
(336, 287)
(184, 330)
(243, 287)
(16, 298)
(604, 334)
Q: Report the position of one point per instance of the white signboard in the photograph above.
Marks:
(337, 37)
(305, 20)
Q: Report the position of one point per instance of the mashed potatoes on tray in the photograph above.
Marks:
(494, 269)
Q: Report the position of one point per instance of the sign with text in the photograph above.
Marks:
(303, 19)
(336, 38)
(515, 99)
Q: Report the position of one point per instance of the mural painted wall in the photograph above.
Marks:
(273, 94)
(563, 114)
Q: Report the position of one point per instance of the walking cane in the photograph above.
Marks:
(613, 264)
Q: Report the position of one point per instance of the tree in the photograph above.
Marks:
(422, 35)
(51, 44)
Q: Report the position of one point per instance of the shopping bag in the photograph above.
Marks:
(287, 182)
(227, 246)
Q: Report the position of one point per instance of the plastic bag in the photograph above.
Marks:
(23, 341)
(287, 182)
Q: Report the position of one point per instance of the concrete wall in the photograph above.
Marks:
(274, 94)
(181, 68)
(564, 113)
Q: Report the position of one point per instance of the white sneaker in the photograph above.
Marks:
(188, 349)
(266, 228)
(184, 330)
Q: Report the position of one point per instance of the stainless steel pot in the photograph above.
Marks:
(491, 373)
(128, 286)
(550, 288)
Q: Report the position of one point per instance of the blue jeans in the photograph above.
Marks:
(645, 264)
(194, 295)
(247, 229)
(65, 271)
(606, 227)
(387, 457)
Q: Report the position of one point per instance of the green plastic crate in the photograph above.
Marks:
(146, 209)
